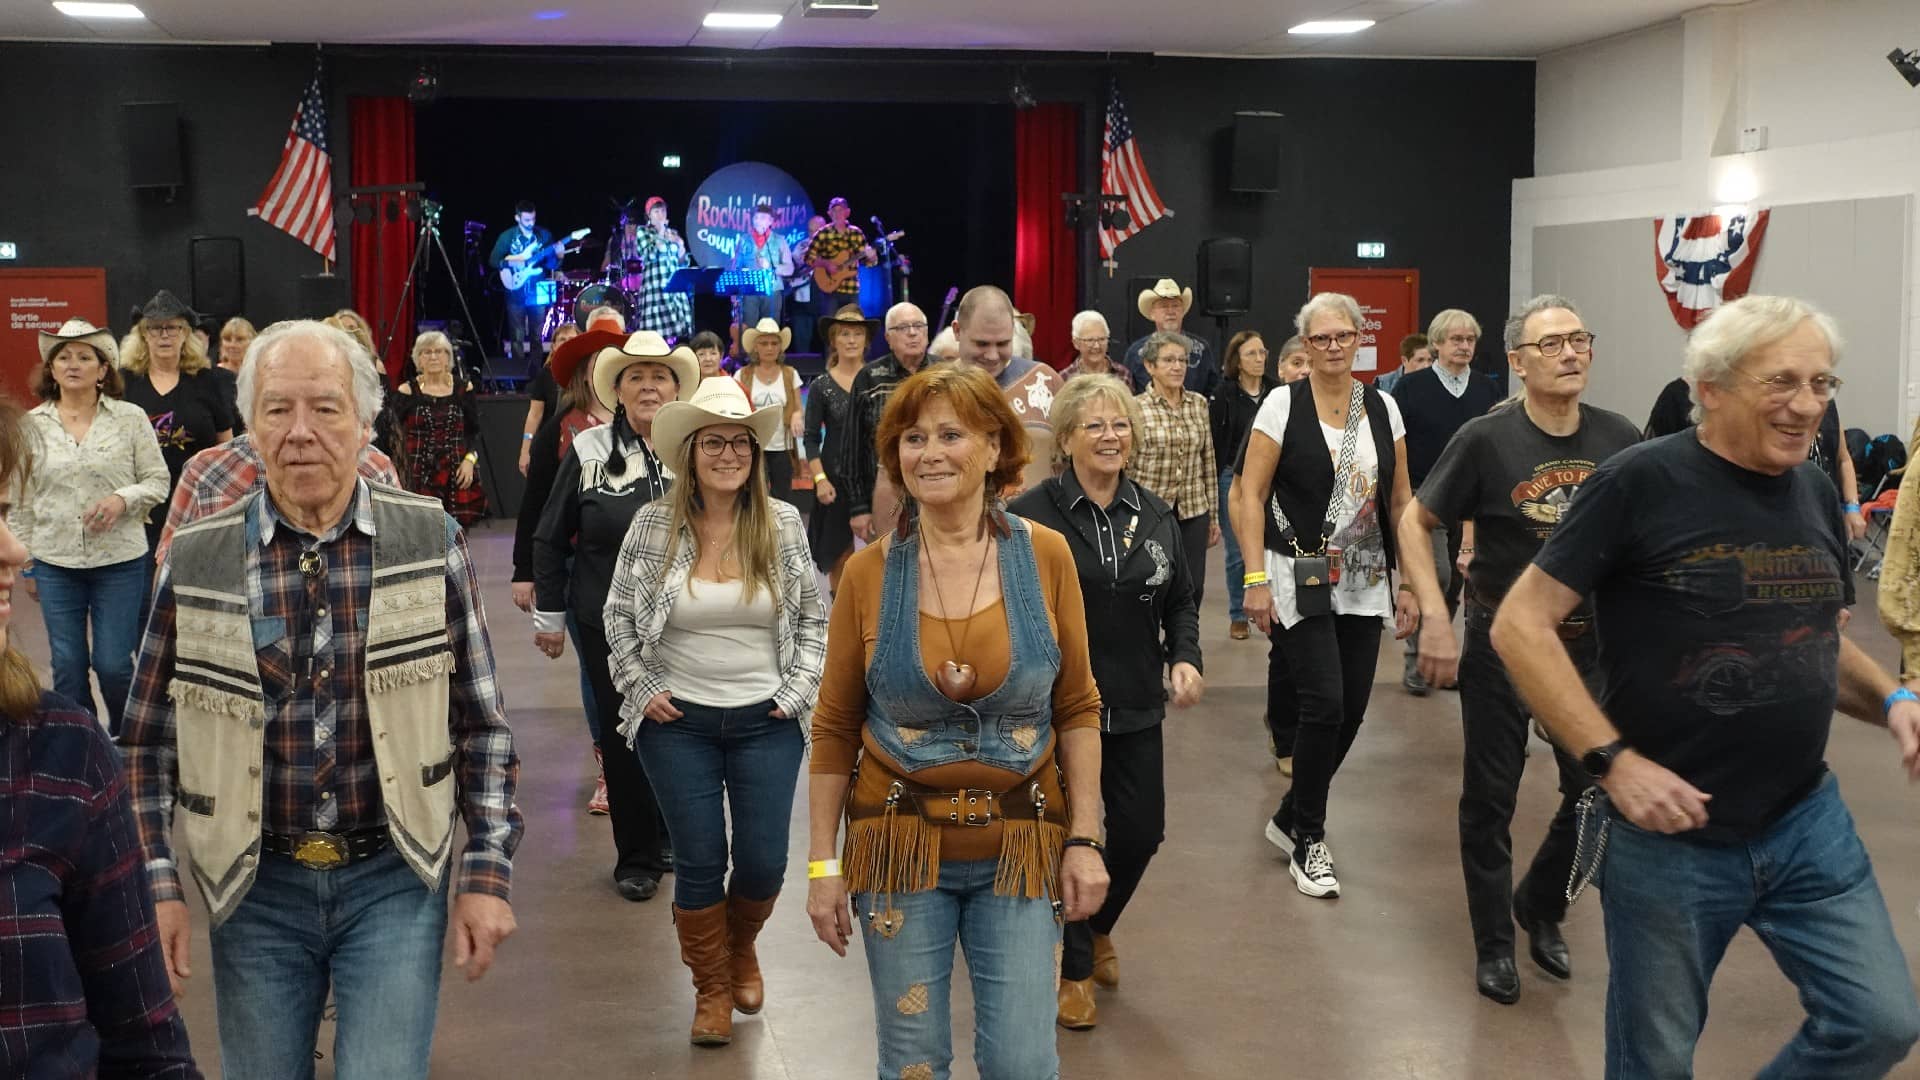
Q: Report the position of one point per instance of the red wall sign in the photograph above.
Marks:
(1390, 305)
(41, 298)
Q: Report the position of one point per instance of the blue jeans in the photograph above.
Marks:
(1011, 947)
(1806, 888)
(748, 759)
(371, 929)
(108, 597)
(1236, 566)
(755, 308)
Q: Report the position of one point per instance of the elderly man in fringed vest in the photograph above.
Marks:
(315, 693)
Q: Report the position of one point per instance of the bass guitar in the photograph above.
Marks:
(520, 268)
(830, 274)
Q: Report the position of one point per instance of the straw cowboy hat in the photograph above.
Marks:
(84, 332)
(766, 326)
(718, 400)
(642, 347)
(849, 315)
(603, 332)
(1164, 289)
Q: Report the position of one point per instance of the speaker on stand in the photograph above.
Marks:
(217, 275)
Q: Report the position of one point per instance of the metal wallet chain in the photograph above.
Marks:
(1593, 812)
(1342, 477)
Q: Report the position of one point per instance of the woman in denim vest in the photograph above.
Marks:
(957, 713)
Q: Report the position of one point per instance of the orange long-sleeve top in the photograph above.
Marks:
(839, 718)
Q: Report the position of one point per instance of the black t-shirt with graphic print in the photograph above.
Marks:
(1718, 593)
(1515, 482)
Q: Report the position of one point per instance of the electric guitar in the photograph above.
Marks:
(830, 274)
(521, 269)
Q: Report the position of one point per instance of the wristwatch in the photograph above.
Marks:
(1598, 760)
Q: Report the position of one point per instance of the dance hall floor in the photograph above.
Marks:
(1227, 971)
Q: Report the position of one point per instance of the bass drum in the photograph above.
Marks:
(594, 296)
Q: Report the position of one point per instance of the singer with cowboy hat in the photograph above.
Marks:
(609, 473)
(770, 382)
(718, 642)
(1167, 304)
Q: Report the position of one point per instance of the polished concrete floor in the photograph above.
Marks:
(1228, 971)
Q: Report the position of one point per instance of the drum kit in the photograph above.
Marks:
(576, 293)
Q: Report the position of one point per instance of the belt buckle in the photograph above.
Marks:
(320, 850)
(976, 814)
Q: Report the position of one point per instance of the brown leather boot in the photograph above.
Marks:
(703, 948)
(1077, 1011)
(1106, 962)
(744, 920)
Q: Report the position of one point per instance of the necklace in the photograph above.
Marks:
(956, 677)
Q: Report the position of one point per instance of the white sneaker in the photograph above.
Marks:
(1312, 869)
(1278, 837)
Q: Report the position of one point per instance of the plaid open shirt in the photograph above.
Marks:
(1173, 453)
(319, 745)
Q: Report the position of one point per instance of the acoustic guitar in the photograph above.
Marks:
(830, 274)
(520, 268)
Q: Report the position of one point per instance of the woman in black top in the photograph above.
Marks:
(166, 374)
(829, 406)
(1134, 580)
(608, 475)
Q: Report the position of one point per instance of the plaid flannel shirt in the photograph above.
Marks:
(1173, 453)
(645, 588)
(831, 244)
(303, 769)
(85, 984)
(219, 476)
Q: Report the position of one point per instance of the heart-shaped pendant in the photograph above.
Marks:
(955, 680)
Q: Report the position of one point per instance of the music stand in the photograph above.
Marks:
(694, 280)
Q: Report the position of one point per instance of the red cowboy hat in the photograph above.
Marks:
(602, 332)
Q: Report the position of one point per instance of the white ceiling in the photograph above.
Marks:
(1405, 28)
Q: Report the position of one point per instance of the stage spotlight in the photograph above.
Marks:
(1113, 212)
(1907, 63)
(394, 209)
(425, 86)
(1021, 93)
(362, 212)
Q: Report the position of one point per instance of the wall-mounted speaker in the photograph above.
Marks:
(151, 141)
(1255, 162)
(1226, 276)
(218, 275)
(320, 295)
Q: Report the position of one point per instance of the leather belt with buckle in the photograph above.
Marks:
(325, 850)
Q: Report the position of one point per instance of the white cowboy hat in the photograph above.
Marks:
(642, 347)
(84, 332)
(765, 326)
(718, 400)
(1164, 289)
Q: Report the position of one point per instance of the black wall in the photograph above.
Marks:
(1420, 154)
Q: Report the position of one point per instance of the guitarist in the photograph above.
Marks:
(835, 255)
(525, 245)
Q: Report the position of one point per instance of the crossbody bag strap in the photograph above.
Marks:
(1342, 478)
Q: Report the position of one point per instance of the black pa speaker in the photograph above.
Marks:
(1226, 276)
(1256, 151)
(320, 295)
(218, 275)
(151, 141)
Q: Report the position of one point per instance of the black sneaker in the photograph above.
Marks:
(1312, 869)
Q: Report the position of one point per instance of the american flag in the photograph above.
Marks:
(1122, 172)
(299, 199)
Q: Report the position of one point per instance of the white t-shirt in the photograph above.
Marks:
(773, 393)
(1363, 588)
(718, 650)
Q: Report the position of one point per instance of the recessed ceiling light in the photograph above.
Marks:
(549, 16)
(97, 11)
(1331, 26)
(740, 20)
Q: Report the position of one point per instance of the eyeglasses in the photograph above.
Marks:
(1786, 387)
(1092, 342)
(712, 445)
(1462, 339)
(1344, 339)
(166, 331)
(1581, 340)
(908, 328)
(1096, 429)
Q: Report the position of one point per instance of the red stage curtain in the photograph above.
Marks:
(382, 131)
(1046, 262)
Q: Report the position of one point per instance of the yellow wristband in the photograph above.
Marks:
(820, 868)
(819, 476)
(1258, 577)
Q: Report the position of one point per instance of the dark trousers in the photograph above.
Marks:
(779, 465)
(1495, 723)
(1331, 658)
(1133, 789)
(638, 838)
(524, 322)
(1193, 537)
(1283, 705)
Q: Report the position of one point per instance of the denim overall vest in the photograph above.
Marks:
(919, 728)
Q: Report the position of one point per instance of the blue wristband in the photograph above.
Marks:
(1851, 508)
(1902, 694)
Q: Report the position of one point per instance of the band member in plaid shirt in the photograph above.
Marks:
(840, 245)
(85, 991)
(669, 314)
(1174, 456)
(319, 718)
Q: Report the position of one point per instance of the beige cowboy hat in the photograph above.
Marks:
(765, 326)
(1164, 289)
(643, 347)
(718, 400)
(84, 332)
